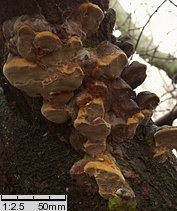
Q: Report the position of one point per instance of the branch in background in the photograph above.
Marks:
(143, 28)
(168, 118)
(126, 26)
(173, 3)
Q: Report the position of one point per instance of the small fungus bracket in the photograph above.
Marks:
(165, 140)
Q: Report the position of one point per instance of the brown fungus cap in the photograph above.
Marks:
(50, 50)
(36, 21)
(24, 75)
(71, 46)
(90, 120)
(25, 38)
(64, 78)
(55, 114)
(166, 137)
(123, 130)
(11, 27)
(120, 89)
(107, 25)
(125, 43)
(108, 177)
(94, 109)
(111, 61)
(77, 141)
(119, 132)
(47, 41)
(125, 107)
(95, 147)
(90, 16)
(32, 78)
(83, 179)
(147, 100)
(134, 74)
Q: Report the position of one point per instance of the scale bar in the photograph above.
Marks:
(33, 198)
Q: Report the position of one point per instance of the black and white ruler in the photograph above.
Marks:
(33, 202)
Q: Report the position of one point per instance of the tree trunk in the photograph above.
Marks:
(36, 155)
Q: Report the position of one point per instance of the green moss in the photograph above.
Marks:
(150, 140)
(88, 43)
(118, 204)
(113, 202)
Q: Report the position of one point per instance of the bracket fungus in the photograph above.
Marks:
(84, 21)
(134, 74)
(108, 177)
(90, 86)
(89, 16)
(124, 42)
(148, 102)
(165, 140)
(166, 137)
(55, 114)
(111, 61)
(90, 121)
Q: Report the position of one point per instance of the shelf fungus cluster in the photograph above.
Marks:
(91, 87)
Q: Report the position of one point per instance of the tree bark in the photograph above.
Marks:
(36, 155)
